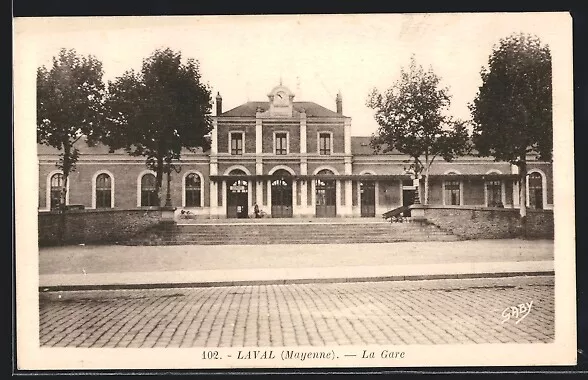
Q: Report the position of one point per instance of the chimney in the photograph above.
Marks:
(339, 101)
(219, 104)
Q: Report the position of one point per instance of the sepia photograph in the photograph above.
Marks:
(294, 191)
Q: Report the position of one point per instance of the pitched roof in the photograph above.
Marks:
(360, 146)
(312, 110)
(97, 149)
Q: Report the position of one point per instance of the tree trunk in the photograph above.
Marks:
(66, 168)
(159, 180)
(523, 196)
(168, 193)
(426, 186)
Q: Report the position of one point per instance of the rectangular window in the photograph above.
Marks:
(237, 143)
(494, 191)
(452, 196)
(281, 143)
(325, 144)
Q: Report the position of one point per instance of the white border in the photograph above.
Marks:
(30, 356)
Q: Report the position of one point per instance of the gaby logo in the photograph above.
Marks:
(518, 312)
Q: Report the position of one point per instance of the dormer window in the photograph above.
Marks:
(236, 143)
(281, 143)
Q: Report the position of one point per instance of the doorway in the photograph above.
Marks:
(237, 201)
(407, 200)
(326, 196)
(281, 188)
(367, 191)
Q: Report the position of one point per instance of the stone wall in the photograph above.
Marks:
(95, 226)
(487, 222)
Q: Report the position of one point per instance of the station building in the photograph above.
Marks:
(292, 159)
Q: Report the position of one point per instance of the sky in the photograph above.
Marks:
(316, 56)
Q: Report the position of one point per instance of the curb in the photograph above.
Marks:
(204, 284)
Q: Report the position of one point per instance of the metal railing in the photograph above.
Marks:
(396, 215)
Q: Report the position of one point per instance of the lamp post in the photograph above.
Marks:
(168, 201)
(168, 211)
(414, 171)
(417, 211)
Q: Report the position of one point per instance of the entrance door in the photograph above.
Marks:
(237, 200)
(368, 198)
(407, 200)
(326, 196)
(282, 196)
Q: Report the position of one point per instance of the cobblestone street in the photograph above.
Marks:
(409, 312)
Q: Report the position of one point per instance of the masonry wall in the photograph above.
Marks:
(489, 223)
(293, 137)
(95, 226)
(293, 163)
(435, 191)
(473, 192)
(337, 164)
(389, 194)
(312, 131)
(125, 176)
(225, 129)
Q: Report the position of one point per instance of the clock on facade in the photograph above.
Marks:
(281, 98)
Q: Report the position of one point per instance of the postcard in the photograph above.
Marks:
(294, 191)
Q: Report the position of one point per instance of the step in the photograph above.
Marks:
(278, 232)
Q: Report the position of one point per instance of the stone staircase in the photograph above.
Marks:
(284, 232)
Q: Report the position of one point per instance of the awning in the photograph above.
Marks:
(485, 177)
(359, 177)
(364, 177)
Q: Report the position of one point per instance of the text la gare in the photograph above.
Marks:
(384, 354)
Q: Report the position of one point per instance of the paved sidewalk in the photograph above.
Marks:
(294, 275)
(383, 313)
(132, 267)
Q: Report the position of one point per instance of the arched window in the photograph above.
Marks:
(103, 191)
(193, 190)
(148, 190)
(57, 181)
(237, 172)
(535, 190)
